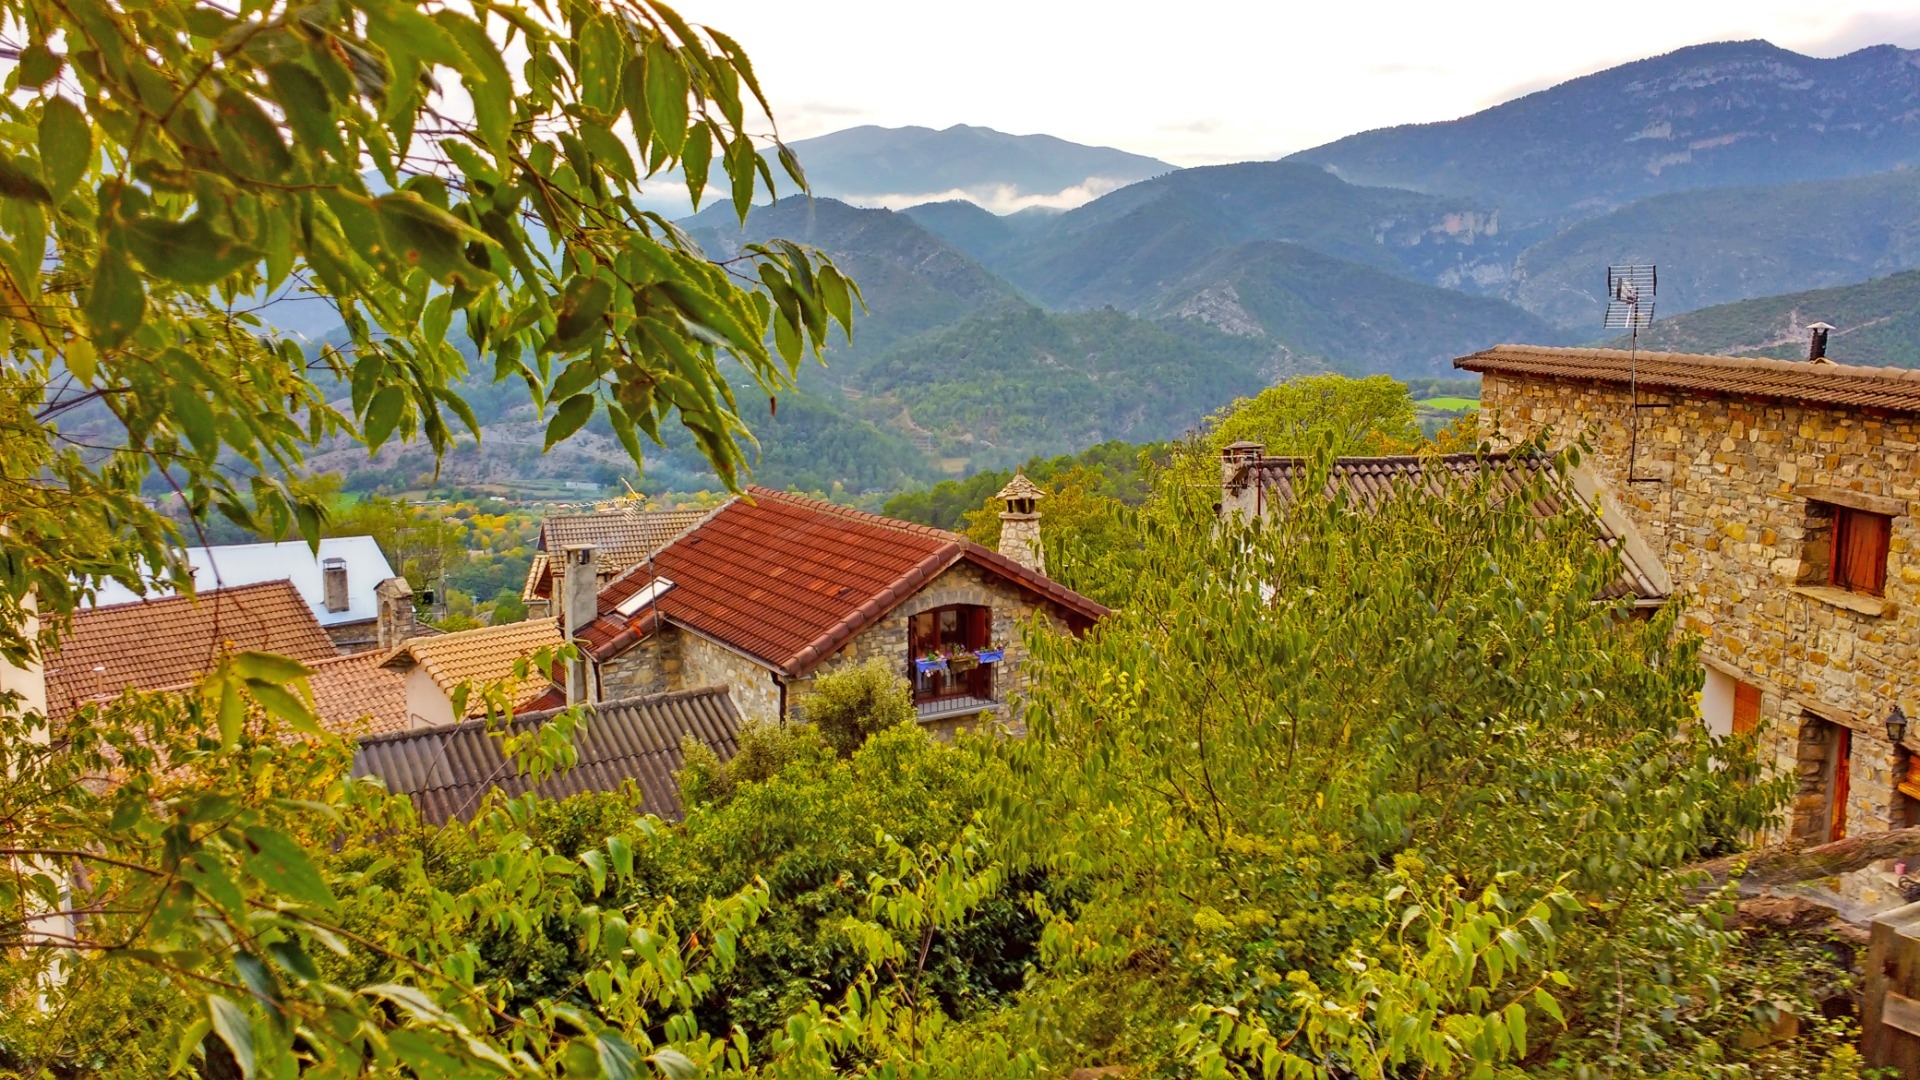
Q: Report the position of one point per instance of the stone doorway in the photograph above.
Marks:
(1822, 764)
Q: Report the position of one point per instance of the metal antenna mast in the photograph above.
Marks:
(1630, 292)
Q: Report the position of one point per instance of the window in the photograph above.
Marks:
(957, 632)
(1860, 550)
(1729, 706)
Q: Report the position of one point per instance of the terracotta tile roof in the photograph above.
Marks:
(448, 771)
(788, 580)
(169, 642)
(621, 537)
(1370, 480)
(1891, 389)
(355, 695)
(479, 657)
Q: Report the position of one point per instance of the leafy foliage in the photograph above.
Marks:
(852, 705)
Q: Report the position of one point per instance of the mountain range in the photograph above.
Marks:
(1029, 295)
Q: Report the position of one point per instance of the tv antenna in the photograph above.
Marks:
(1630, 293)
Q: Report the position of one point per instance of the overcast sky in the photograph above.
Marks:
(1196, 82)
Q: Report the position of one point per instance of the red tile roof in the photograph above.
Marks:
(788, 580)
(355, 695)
(1891, 389)
(166, 643)
(621, 536)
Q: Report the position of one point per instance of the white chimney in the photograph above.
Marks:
(579, 589)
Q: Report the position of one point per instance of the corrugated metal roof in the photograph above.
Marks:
(1891, 389)
(479, 657)
(1370, 480)
(447, 771)
(788, 580)
(227, 565)
(166, 643)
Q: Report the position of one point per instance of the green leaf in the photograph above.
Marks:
(666, 97)
(383, 414)
(259, 979)
(17, 183)
(248, 138)
(38, 66)
(582, 307)
(308, 106)
(194, 417)
(673, 1063)
(602, 47)
(269, 667)
(190, 252)
(633, 94)
(609, 152)
(66, 145)
(573, 412)
(230, 1022)
(281, 866)
(117, 301)
(279, 702)
(428, 237)
(489, 85)
(696, 160)
(294, 960)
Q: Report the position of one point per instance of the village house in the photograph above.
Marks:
(620, 536)
(1778, 496)
(771, 590)
(447, 677)
(340, 583)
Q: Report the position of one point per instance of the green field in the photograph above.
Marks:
(1450, 404)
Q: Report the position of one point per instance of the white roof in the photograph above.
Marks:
(293, 560)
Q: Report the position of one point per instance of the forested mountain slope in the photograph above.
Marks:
(1877, 323)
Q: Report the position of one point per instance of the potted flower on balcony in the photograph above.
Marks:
(961, 660)
(932, 662)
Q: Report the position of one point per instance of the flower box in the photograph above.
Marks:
(990, 656)
(926, 666)
(959, 662)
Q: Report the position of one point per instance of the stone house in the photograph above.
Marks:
(436, 668)
(771, 590)
(620, 536)
(1778, 496)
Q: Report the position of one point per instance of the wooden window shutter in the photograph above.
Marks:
(1746, 708)
(1860, 542)
(979, 627)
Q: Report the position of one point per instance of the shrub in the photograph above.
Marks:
(849, 706)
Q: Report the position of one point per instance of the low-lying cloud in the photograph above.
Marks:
(998, 198)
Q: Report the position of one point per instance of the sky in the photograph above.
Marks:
(1198, 82)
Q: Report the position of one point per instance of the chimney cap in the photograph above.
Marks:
(1821, 326)
(1021, 488)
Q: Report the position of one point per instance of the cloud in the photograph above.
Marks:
(1900, 28)
(998, 198)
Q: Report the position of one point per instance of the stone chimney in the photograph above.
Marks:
(333, 584)
(1020, 522)
(578, 590)
(394, 604)
(1243, 496)
(1817, 347)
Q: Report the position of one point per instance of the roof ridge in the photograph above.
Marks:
(1752, 363)
(195, 596)
(855, 514)
(524, 719)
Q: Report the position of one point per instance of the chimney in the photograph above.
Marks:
(579, 594)
(394, 604)
(333, 584)
(1020, 522)
(1817, 348)
(1234, 457)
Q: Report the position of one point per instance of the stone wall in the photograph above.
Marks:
(1728, 493)
(673, 659)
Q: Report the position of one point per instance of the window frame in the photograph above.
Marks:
(1847, 547)
(974, 621)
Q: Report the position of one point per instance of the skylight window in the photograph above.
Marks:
(639, 601)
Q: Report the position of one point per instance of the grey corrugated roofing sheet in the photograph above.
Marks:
(447, 771)
(1368, 480)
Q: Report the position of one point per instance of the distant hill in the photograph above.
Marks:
(1717, 246)
(913, 281)
(1125, 248)
(1877, 324)
(1727, 114)
(982, 234)
(897, 167)
(998, 388)
(1355, 317)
